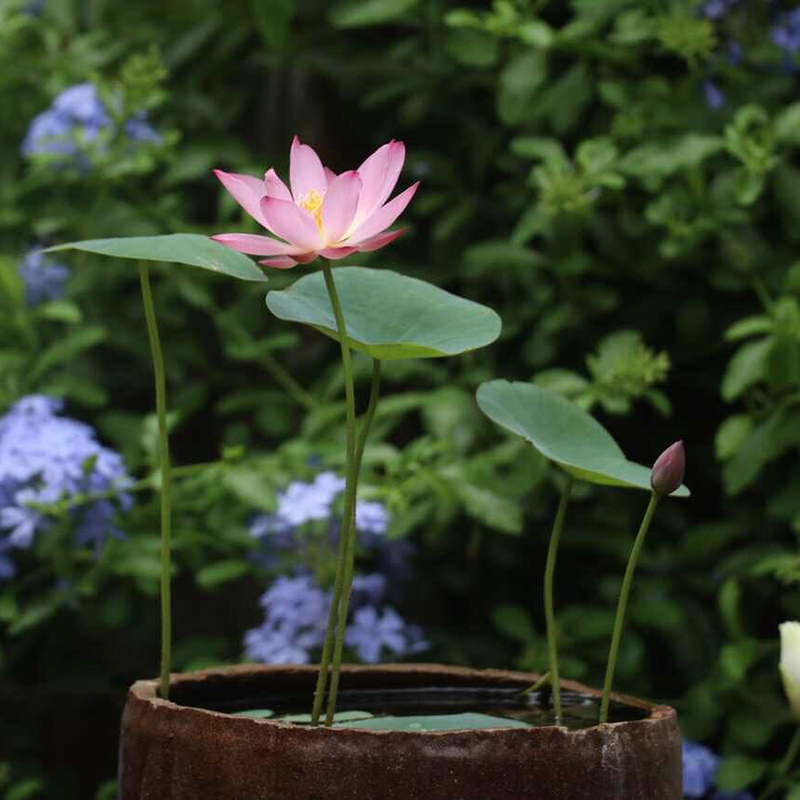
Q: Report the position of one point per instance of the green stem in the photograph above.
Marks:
(541, 683)
(351, 544)
(62, 506)
(166, 497)
(549, 572)
(791, 754)
(289, 384)
(779, 778)
(619, 620)
(349, 494)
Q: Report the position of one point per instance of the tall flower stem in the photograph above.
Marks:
(344, 600)
(351, 476)
(549, 572)
(166, 478)
(619, 620)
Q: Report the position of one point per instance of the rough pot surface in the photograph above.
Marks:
(175, 752)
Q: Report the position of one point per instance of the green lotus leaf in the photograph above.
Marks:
(177, 248)
(387, 315)
(438, 722)
(564, 433)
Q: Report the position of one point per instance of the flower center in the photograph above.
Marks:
(312, 202)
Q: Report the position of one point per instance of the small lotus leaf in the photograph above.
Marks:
(564, 433)
(438, 722)
(177, 248)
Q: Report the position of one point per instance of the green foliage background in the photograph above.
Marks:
(639, 246)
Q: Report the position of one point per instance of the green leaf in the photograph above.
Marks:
(255, 713)
(523, 75)
(273, 19)
(67, 348)
(745, 368)
(794, 793)
(60, 311)
(438, 722)
(731, 435)
(24, 789)
(369, 12)
(514, 622)
(659, 159)
(387, 315)
(472, 48)
(749, 326)
(222, 572)
(339, 716)
(562, 432)
(492, 509)
(176, 248)
(787, 125)
(737, 772)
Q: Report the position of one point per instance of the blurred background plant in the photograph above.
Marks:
(616, 178)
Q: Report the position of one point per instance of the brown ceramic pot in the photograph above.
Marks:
(171, 751)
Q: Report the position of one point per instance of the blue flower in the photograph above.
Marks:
(734, 53)
(371, 633)
(295, 618)
(44, 278)
(716, 9)
(720, 795)
(45, 458)
(699, 769)
(77, 116)
(715, 97)
(371, 517)
(305, 502)
(369, 589)
(786, 31)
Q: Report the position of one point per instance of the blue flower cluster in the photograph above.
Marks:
(78, 115)
(296, 608)
(45, 458)
(716, 9)
(699, 774)
(44, 278)
(786, 31)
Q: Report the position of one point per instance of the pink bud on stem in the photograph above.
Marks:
(668, 470)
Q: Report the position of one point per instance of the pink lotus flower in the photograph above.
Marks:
(324, 214)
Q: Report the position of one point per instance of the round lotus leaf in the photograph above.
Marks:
(387, 315)
(176, 248)
(438, 722)
(563, 432)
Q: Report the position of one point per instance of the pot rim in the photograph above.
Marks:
(146, 691)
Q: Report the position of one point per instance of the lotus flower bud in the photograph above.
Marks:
(667, 474)
(790, 664)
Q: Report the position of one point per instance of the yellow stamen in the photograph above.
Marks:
(312, 202)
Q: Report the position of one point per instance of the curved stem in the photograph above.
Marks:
(619, 620)
(783, 767)
(166, 495)
(349, 494)
(344, 601)
(550, 618)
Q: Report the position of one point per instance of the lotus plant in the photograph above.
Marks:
(572, 439)
(322, 215)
